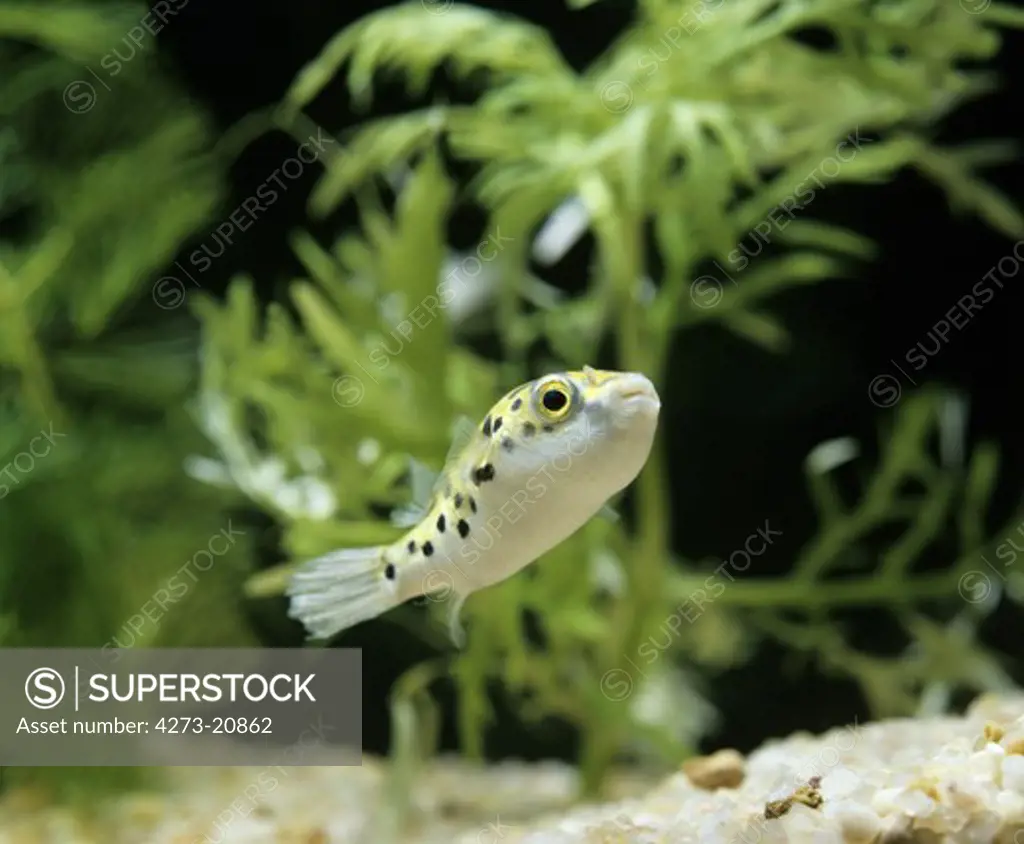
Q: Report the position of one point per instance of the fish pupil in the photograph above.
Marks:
(555, 400)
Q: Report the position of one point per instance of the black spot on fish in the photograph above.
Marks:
(529, 429)
(440, 523)
(458, 500)
(483, 473)
(463, 527)
(411, 546)
(390, 572)
(507, 444)
(487, 427)
(428, 548)
(548, 429)
(472, 503)
(518, 403)
(497, 425)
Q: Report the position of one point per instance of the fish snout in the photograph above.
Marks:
(635, 386)
(633, 394)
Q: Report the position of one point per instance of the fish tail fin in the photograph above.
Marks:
(338, 590)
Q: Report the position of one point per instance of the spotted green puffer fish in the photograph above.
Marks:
(544, 460)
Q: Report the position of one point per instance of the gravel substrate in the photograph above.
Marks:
(892, 782)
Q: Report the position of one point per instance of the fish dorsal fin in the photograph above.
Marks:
(425, 482)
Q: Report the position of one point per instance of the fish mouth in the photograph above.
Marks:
(638, 390)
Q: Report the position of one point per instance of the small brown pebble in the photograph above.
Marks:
(777, 808)
(808, 795)
(1015, 747)
(723, 769)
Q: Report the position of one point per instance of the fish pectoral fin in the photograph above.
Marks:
(408, 515)
(463, 430)
(425, 483)
(609, 513)
(422, 481)
(455, 629)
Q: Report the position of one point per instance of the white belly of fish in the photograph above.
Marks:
(516, 521)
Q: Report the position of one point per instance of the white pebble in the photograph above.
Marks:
(986, 763)
(841, 782)
(1010, 804)
(981, 829)
(884, 801)
(857, 823)
(1013, 773)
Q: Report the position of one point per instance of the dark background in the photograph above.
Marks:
(738, 420)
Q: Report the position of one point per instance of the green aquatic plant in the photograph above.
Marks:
(702, 123)
(96, 513)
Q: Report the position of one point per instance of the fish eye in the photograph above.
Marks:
(554, 400)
